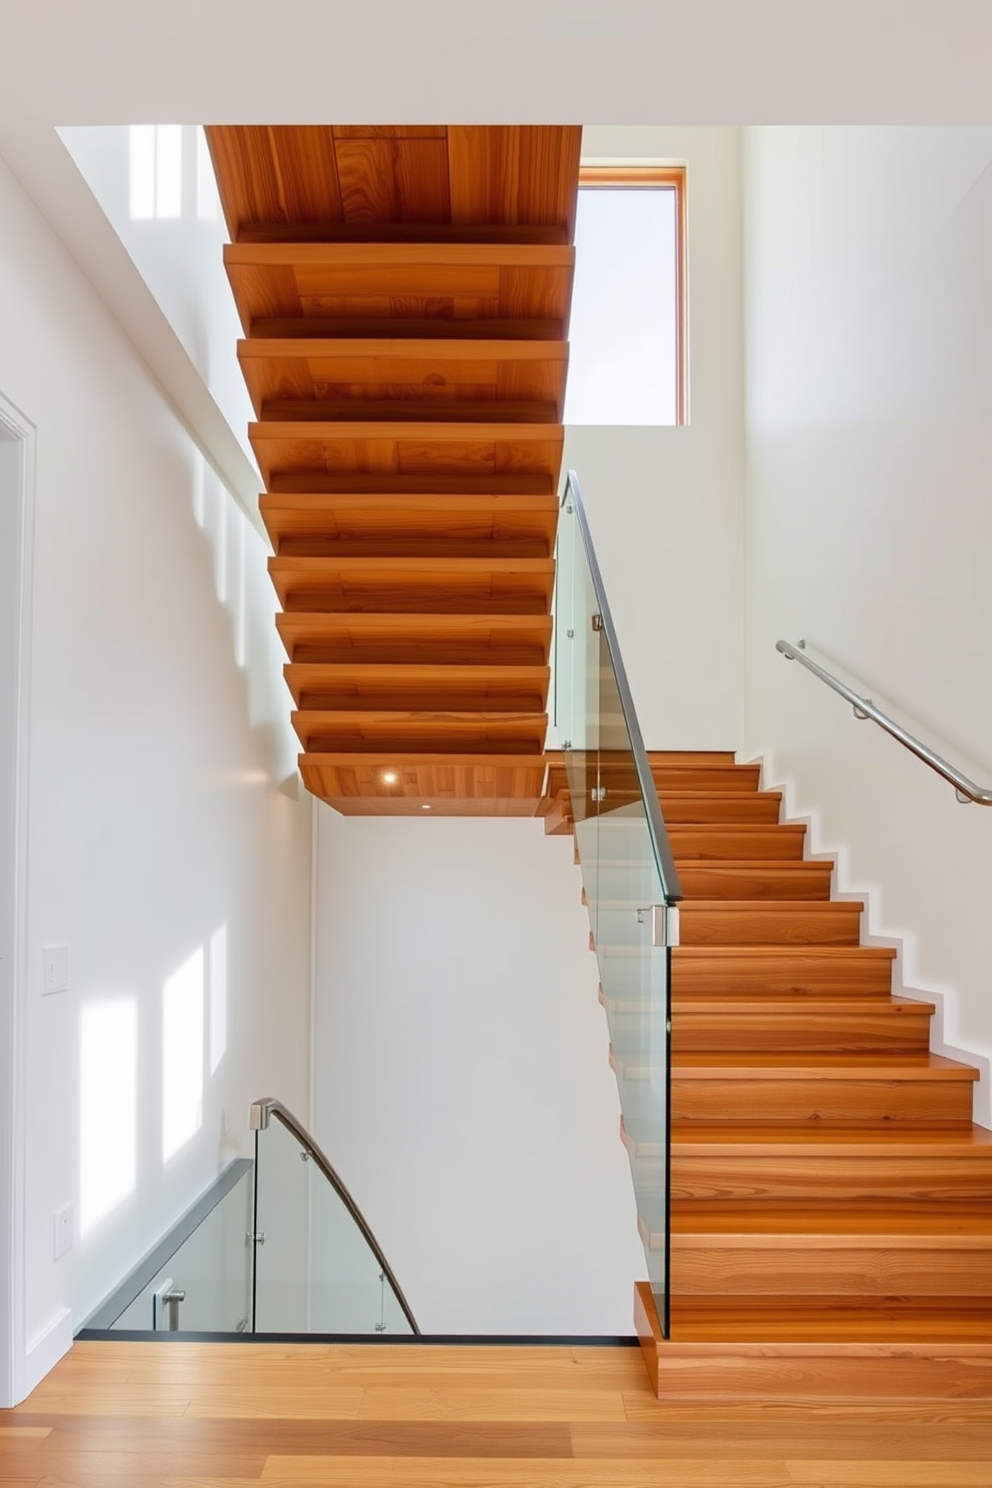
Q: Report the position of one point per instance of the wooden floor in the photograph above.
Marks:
(224, 1415)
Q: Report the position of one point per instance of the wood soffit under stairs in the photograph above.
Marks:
(404, 294)
(831, 1199)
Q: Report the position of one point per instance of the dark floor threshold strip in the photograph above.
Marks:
(486, 1340)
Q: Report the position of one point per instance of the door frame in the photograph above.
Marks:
(14, 1383)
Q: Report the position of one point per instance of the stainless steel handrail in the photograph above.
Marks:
(258, 1119)
(670, 886)
(965, 789)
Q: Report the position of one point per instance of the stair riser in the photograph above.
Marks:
(834, 1102)
(737, 778)
(710, 844)
(797, 881)
(806, 1267)
(829, 924)
(724, 976)
(927, 1181)
(811, 1034)
(727, 806)
(756, 1373)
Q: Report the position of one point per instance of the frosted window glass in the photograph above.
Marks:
(623, 334)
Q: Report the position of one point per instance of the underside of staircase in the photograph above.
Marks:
(831, 1199)
(405, 294)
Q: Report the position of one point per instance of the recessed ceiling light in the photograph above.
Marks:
(425, 806)
(389, 777)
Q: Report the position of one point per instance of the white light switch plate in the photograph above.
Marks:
(63, 1230)
(54, 969)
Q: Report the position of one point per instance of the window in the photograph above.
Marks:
(627, 363)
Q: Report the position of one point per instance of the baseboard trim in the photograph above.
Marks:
(46, 1349)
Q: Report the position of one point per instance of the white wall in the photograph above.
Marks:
(163, 809)
(666, 504)
(462, 1089)
(869, 524)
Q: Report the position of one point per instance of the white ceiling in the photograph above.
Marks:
(632, 61)
(447, 61)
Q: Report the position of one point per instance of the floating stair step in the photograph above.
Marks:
(727, 1163)
(677, 776)
(460, 784)
(761, 922)
(432, 585)
(737, 1350)
(442, 289)
(808, 1250)
(806, 879)
(295, 447)
(735, 841)
(720, 806)
(800, 1025)
(394, 637)
(356, 524)
(325, 686)
(830, 1089)
(446, 732)
(772, 971)
(322, 377)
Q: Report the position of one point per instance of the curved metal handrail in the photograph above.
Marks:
(258, 1119)
(965, 789)
(670, 886)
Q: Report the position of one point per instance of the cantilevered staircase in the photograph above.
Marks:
(405, 295)
(815, 1203)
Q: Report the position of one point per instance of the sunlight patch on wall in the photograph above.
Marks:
(218, 997)
(182, 1055)
(108, 1095)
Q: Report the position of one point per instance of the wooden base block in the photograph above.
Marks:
(743, 1372)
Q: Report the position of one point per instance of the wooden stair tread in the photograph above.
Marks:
(757, 954)
(323, 687)
(778, 1007)
(974, 1143)
(897, 1220)
(896, 1066)
(726, 1320)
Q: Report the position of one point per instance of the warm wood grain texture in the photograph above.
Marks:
(405, 293)
(827, 1184)
(398, 638)
(576, 1417)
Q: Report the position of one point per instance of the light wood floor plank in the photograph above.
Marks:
(889, 1474)
(282, 1472)
(468, 1403)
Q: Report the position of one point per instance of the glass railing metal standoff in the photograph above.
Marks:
(631, 884)
(318, 1266)
(865, 708)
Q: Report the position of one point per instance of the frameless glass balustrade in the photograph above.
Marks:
(629, 878)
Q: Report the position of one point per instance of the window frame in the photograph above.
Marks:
(673, 178)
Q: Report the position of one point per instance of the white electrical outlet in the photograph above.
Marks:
(63, 1230)
(54, 969)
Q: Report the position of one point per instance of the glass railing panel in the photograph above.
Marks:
(623, 853)
(208, 1278)
(282, 1232)
(348, 1288)
(318, 1268)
